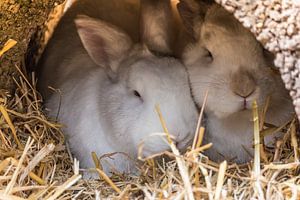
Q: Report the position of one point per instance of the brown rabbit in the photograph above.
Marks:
(227, 60)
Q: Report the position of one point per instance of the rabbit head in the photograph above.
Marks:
(144, 82)
(226, 60)
(136, 81)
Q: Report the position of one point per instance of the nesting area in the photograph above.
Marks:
(35, 162)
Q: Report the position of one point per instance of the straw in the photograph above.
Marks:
(43, 171)
(7, 46)
(183, 170)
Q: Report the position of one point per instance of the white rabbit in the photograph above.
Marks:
(109, 89)
(226, 60)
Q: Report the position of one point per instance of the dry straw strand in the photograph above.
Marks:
(220, 180)
(294, 142)
(59, 190)
(108, 180)
(163, 123)
(198, 138)
(10, 197)
(38, 157)
(256, 141)
(7, 46)
(12, 182)
(11, 126)
(182, 166)
(96, 161)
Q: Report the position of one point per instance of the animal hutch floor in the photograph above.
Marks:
(35, 162)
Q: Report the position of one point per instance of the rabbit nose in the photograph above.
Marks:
(243, 84)
(245, 93)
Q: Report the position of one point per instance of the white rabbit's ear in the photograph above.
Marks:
(105, 43)
(157, 25)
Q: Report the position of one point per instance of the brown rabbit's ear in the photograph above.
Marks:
(193, 13)
(157, 25)
(105, 43)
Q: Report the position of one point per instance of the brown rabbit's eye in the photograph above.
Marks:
(137, 94)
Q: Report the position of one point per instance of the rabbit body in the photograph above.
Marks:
(226, 60)
(107, 117)
(109, 87)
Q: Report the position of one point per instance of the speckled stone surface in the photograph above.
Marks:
(276, 24)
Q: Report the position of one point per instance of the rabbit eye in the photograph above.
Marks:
(137, 94)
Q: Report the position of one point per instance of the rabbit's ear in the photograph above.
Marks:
(105, 43)
(157, 25)
(193, 13)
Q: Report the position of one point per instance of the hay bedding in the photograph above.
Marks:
(36, 164)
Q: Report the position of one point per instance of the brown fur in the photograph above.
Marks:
(226, 60)
(243, 83)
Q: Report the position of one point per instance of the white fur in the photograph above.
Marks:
(234, 50)
(98, 105)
